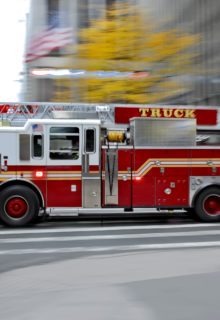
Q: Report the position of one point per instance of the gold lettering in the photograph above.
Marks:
(143, 112)
(167, 113)
(190, 113)
(155, 113)
(178, 113)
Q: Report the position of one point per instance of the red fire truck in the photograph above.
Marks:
(77, 159)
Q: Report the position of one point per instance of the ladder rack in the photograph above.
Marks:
(16, 114)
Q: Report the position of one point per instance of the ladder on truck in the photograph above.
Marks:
(16, 114)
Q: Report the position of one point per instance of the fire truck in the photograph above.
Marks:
(74, 159)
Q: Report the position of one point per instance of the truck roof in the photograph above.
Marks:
(31, 122)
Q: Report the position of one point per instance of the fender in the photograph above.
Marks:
(28, 183)
(207, 184)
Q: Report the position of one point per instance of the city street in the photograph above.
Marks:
(112, 268)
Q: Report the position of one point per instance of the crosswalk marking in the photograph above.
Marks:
(109, 228)
(90, 239)
(111, 237)
(159, 246)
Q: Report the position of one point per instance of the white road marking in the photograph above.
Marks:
(99, 229)
(111, 237)
(159, 246)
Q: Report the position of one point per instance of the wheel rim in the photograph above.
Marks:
(16, 207)
(212, 204)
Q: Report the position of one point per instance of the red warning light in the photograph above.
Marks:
(39, 174)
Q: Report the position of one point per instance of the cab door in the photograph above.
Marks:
(64, 165)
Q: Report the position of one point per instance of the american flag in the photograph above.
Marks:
(47, 41)
(37, 128)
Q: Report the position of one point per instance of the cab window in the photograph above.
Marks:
(37, 146)
(90, 140)
(64, 143)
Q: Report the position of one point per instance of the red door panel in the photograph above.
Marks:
(64, 186)
(144, 178)
(124, 177)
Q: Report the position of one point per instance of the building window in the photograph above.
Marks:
(53, 13)
(64, 143)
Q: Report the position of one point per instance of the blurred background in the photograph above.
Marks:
(111, 51)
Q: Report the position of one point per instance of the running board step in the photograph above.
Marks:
(102, 211)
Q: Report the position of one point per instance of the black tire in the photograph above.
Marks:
(207, 206)
(19, 205)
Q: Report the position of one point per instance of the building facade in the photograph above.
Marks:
(200, 17)
(193, 16)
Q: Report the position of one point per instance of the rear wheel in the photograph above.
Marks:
(207, 205)
(19, 206)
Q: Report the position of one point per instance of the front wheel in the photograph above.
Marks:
(19, 205)
(207, 205)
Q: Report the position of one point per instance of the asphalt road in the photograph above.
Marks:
(143, 268)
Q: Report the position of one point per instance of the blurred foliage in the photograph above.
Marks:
(122, 40)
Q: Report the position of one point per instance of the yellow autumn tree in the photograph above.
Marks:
(123, 40)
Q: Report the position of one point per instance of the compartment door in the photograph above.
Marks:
(172, 191)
